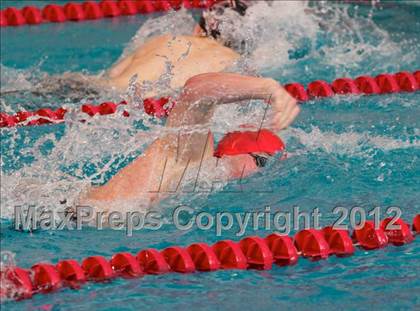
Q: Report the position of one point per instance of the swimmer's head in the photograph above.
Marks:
(249, 142)
(223, 20)
(249, 150)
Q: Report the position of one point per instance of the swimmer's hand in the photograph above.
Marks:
(284, 107)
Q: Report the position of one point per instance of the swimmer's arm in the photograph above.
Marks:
(202, 92)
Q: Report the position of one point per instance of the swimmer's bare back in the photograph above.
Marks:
(189, 55)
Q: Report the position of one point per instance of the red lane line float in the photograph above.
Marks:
(32, 15)
(14, 17)
(177, 4)
(22, 116)
(97, 268)
(417, 76)
(156, 107)
(110, 8)
(311, 243)
(162, 5)
(370, 237)
(283, 250)
(54, 13)
(345, 86)
(7, 120)
(153, 262)
(126, 265)
(416, 224)
(88, 10)
(178, 259)
(74, 12)
(319, 88)
(19, 283)
(230, 255)
(250, 253)
(387, 83)
(407, 81)
(204, 257)
(46, 277)
(127, 7)
(59, 113)
(71, 273)
(161, 107)
(367, 85)
(257, 253)
(3, 19)
(202, 4)
(46, 116)
(145, 7)
(91, 110)
(399, 235)
(339, 241)
(107, 108)
(92, 10)
(297, 90)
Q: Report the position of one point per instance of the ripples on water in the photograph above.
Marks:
(293, 41)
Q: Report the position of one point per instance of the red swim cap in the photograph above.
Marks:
(235, 143)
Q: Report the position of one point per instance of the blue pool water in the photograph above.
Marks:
(343, 151)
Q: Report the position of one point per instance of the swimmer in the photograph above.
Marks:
(200, 74)
(191, 145)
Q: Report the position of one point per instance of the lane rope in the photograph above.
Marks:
(251, 252)
(382, 84)
(91, 10)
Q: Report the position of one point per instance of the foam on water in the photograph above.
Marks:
(351, 143)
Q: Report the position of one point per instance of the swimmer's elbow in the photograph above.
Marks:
(200, 81)
(202, 85)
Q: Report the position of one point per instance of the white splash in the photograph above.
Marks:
(175, 22)
(349, 143)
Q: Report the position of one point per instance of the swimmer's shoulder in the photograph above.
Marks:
(198, 44)
(206, 51)
(214, 52)
(167, 42)
(163, 45)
